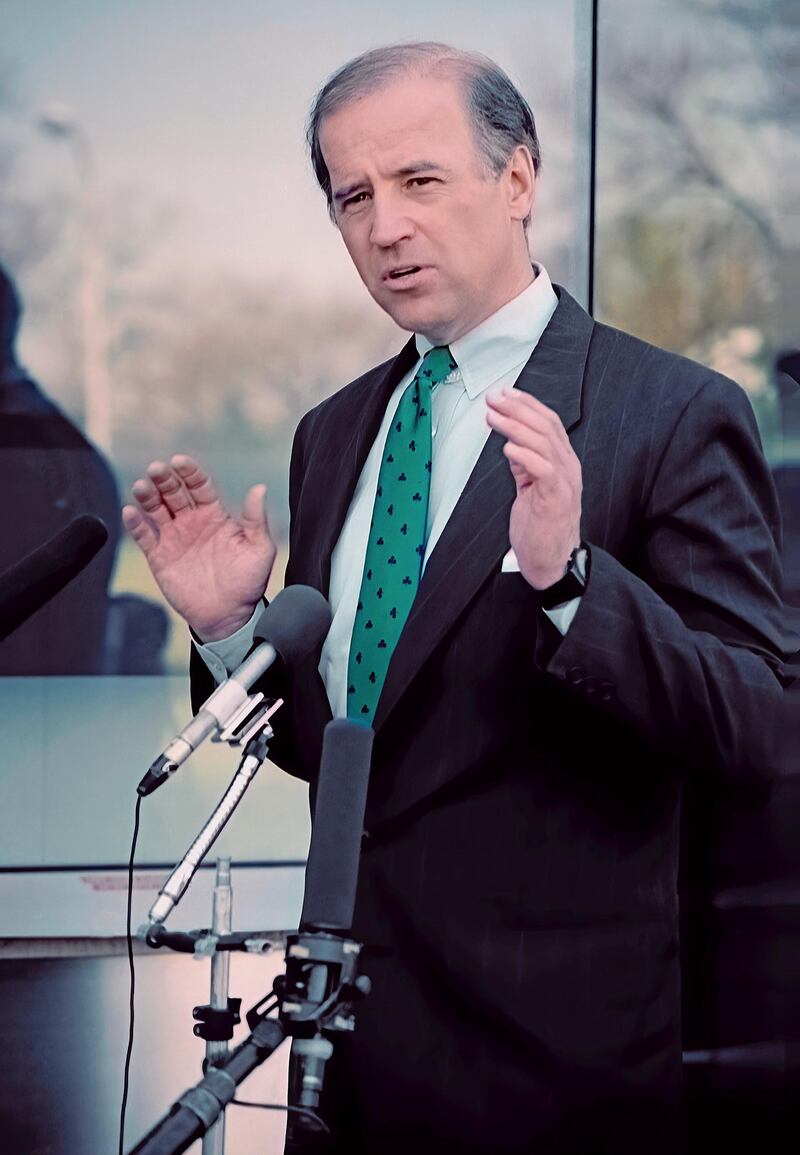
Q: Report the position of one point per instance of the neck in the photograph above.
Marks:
(459, 328)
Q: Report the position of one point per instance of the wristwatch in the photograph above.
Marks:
(572, 584)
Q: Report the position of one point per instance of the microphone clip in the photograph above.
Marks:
(250, 720)
(321, 984)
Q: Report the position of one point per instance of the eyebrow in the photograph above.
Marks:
(413, 169)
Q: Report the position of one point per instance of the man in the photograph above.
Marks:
(597, 614)
(49, 474)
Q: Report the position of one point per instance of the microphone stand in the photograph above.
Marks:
(255, 732)
(219, 1005)
(198, 1108)
(216, 1020)
(315, 998)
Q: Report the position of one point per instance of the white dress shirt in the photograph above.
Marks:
(489, 358)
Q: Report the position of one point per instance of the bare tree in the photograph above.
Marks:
(699, 168)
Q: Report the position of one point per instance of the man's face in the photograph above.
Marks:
(435, 237)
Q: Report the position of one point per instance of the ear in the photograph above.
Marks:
(521, 183)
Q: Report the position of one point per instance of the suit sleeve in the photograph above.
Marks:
(688, 649)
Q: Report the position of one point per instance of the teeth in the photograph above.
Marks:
(405, 272)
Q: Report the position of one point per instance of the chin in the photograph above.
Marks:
(413, 316)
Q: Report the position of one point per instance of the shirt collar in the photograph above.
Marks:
(505, 339)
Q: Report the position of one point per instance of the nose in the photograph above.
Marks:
(390, 223)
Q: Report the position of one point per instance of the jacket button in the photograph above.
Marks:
(576, 676)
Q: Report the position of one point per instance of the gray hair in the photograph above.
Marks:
(501, 116)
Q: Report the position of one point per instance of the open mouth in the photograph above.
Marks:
(398, 274)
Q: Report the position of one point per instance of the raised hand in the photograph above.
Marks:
(545, 523)
(211, 567)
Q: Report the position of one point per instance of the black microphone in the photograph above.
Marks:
(337, 829)
(292, 626)
(322, 979)
(28, 584)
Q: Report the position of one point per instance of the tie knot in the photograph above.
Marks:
(437, 364)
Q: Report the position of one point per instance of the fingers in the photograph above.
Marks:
(150, 502)
(514, 403)
(510, 396)
(198, 484)
(529, 424)
(254, 514)
(523, 435)
(527, 465)
(167, 490)
(171, 491)
(140, 528)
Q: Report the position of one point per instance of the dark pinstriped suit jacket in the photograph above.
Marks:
(518, 884)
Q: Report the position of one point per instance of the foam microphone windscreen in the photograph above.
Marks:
(295, 622)
(333, 857)
(31, 582)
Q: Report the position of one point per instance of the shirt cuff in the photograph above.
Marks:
(561, 616)
(224, 655)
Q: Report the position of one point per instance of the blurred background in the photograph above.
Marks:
(157, 153)
(173, 284)
(185, 291)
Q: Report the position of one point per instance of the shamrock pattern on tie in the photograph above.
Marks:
(396, 543)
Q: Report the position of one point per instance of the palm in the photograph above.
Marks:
(204, 561)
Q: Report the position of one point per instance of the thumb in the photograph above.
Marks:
(254, 514)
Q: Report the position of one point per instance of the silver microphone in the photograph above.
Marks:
(294, 623)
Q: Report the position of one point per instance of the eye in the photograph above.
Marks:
(422, 180)
(357, 199)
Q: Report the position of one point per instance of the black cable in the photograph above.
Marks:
(305, 1112)
(129, 940)
(321, 1009)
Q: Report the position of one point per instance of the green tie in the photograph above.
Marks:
(396, 543)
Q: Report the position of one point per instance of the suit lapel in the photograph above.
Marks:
(335, 458)
(476, 536)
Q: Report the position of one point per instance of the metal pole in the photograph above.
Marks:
(221, 920)
(97, 386)
(60, 122)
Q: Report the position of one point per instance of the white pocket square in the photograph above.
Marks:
(510, 563)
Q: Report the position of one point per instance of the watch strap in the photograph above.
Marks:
(572, 584)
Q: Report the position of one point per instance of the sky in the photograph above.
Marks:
(195, 110)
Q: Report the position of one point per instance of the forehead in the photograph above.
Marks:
(409, 116)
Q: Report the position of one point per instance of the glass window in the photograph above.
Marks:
(697, 195)
(185, 291)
